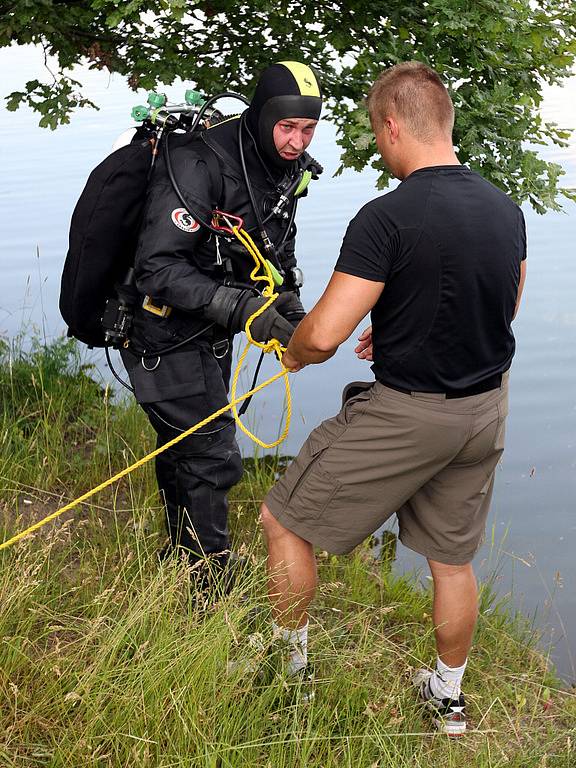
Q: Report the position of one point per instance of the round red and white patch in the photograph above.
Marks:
(184, 221)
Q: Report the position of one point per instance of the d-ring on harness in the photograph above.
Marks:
(156, 364)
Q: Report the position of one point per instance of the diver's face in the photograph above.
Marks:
(292, 135)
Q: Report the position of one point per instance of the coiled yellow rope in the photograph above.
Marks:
(271, 346)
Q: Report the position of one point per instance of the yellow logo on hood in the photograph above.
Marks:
(305, 78)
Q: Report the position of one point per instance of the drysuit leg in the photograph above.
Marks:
(195, 475)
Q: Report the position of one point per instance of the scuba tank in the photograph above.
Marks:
(97, 294)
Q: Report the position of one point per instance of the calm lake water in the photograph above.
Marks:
(531, 537)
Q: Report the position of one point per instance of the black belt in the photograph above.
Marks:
(493, 382)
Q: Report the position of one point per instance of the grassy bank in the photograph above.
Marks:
(105, 660)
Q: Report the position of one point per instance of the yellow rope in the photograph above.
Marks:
(141, 461)
(271, 346)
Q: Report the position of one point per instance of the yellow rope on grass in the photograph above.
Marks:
(140, 462)
(271, 346)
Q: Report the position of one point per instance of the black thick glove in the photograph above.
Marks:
(231, 307)
(289, 306)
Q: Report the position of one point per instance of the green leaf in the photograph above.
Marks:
(364, 141)
(564, 61)
(536, 39)
(14, 99)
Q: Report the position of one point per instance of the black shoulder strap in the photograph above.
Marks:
(215, 174)
(213, 171)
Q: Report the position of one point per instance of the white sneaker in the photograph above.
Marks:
(449, 715)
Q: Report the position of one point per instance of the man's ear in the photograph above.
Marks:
(392, 128)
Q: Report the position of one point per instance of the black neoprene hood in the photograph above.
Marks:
(286, 89)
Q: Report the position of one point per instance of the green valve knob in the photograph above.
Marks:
(193, 98)
(139, 113)
(156, 100)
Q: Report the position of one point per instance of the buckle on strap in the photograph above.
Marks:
(149, 306)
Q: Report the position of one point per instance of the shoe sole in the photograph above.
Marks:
(450, 729)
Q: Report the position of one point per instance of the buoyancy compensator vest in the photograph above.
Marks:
(97, 292)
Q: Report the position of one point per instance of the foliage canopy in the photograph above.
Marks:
(494, 56)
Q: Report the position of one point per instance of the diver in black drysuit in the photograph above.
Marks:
(193, 279)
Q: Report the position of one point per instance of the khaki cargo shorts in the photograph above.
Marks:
(429, 459)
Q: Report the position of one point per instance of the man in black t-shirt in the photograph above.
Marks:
(439, 264)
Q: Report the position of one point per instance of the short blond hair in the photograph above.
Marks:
(415, 93)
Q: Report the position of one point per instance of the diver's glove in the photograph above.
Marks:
(232, 307)
(288, 304)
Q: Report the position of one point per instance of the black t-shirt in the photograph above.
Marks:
(448, 245)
